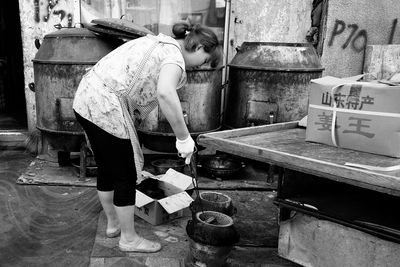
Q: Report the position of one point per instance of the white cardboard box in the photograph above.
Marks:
(172, 206)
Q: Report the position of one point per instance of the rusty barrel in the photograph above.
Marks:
(270, 82)
(201, 105)
(62, 59)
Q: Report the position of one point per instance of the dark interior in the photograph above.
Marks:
(12, 96)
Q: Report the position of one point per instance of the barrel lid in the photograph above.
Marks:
(122, 25)
(73, 46)
(109, 32)
(276, 57)
(71, 32)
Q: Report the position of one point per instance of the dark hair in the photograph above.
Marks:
(199, 35)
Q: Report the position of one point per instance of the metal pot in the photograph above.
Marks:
(213, 201)
(212, 228)
(270, 82)
(201, 104)
(161, 166)
(221, 166)
(61, 61)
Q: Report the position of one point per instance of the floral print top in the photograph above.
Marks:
(96, 98)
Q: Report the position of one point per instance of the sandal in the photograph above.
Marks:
(143, 245)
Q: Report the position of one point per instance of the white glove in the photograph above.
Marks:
(185, 148)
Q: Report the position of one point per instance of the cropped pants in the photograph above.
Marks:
(115, 163)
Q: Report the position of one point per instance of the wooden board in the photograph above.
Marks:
(284, 144)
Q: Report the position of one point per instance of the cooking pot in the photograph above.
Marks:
(221, 166)
(62, 59)
(161, 166)
(201, 105)
(213, 201)
(270, 82)
(212, 228)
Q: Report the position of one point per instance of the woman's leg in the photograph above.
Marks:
(106, 200)
(124, 203)
(116, 184)
(105, 188)
(126, 216)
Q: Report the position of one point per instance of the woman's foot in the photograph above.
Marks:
(140, 245)
(113, 228)
(110, 233)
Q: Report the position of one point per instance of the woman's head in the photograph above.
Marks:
(201, 43)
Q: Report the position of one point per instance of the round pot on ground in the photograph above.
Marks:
(213, 201)
(211, 238)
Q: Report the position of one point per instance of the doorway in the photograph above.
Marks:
(12, 95)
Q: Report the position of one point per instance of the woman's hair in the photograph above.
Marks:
(199, 35)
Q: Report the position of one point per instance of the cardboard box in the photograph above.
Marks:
(367, 115)
(172, 206)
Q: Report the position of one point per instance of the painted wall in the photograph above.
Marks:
(350, 26)
(38, 18)
(268, 21)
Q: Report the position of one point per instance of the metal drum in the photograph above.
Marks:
(61, 61)
(270, 82)
(201, 104)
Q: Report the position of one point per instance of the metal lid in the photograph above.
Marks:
(73, 46)
(71, 32)
(108, 32)
(123, 25)
(276, 57)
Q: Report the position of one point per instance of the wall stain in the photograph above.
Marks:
(52, 9)
(357, 38)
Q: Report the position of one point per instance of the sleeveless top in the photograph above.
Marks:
(121, 89)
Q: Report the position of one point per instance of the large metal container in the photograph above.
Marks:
(61, 61)
(270, 82)
(201, 104)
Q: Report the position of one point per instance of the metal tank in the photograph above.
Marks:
(269, 82)
(201, 104)
(62, 59)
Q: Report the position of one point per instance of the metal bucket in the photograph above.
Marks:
(270, 82)
(201, 104)
(61, 61)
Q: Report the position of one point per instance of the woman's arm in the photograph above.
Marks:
(168, 100)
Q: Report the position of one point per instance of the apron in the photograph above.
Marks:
(134, 113)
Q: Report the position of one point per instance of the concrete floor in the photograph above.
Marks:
(56, 225)
(44, 225)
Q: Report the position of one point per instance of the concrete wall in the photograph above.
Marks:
(268, 21)
(38, 18)
(251, 20)
(350, 26)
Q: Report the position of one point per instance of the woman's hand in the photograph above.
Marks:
(185, 148)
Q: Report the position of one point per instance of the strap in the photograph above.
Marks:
(141, 66)
(334, 111)
(126, 104)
